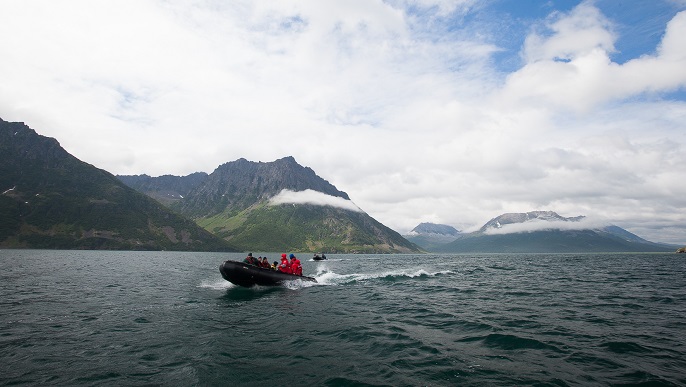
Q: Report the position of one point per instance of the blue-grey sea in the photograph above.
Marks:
(105, 318)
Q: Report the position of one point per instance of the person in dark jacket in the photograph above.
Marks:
(265, 263)
(251, 260)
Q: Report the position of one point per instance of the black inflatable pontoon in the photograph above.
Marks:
(243, 274)
(318, 257)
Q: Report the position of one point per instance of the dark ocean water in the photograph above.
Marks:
(87, 318)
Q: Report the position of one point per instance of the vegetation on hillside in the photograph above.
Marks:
(52, 200)
(231, 202)
(305, 228)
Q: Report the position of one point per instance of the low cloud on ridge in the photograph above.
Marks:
(316, 198)
(542, 225)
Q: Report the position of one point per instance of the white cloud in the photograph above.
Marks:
(571, 69)
(544, 225)
(578, 33)
(315, 198)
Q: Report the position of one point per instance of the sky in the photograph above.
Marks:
(442, 111)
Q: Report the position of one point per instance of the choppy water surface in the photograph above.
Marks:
(158, 318)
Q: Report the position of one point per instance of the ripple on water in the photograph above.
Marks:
(625, 347)
(514, 342)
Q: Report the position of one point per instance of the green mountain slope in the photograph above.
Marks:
(50, 199)
(304, 227)
(233, 203)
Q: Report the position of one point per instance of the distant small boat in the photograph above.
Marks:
(318, 257)
(243, 274)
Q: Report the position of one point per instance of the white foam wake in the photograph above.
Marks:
(217, 284)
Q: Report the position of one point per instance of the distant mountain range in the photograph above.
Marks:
(532, 232)
(50, 199)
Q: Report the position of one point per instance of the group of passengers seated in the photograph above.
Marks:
(259, 261)
(291, 267)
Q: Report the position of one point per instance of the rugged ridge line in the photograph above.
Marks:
(233, 202)
(242, 183)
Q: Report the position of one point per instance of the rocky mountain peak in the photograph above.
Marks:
(523, 217)
(241, 183)
(433, 228)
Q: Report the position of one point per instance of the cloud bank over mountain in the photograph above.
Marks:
(312, 197)
(543, 225)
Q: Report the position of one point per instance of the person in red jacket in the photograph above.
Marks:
(285, 265)
(296, 267)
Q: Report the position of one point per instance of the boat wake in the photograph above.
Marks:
(216, 284)
(298, 284)
(325, 277)
(329, 278)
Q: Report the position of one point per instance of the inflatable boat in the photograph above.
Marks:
(243, 274)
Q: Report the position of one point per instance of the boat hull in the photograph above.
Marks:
(243, 274)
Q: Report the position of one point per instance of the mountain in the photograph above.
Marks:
(436, 229)
(235, 202)
(430, 236)
(525, 217)
(240, 184)
(50, 199)
(544, 232)
(166, 189)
